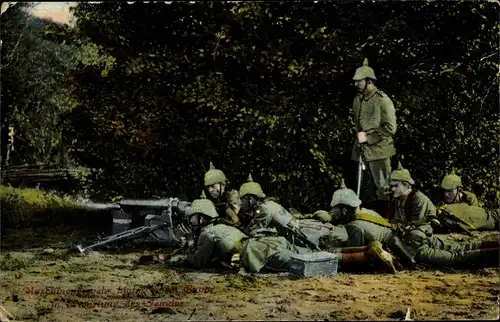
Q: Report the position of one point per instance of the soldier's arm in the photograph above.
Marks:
(234, 206)
(422, 210)
(281, 218)
(356, 235)
(471, 199)
(388, 124)
(259, 219)
(353, 113)
(203, 252)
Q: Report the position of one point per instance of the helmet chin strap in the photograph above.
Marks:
(456, 196)
(366, 85)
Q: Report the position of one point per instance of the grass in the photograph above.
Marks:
(26, 207)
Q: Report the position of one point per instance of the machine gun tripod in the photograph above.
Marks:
(163, 229)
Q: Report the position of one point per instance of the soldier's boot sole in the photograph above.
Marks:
(491, 256)
(376, 251)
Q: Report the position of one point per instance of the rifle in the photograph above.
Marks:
(450, 219)
(302, 237)
(161, 228)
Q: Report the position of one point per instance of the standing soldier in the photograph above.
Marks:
(453, 191)
(375, 124)
(227, 202)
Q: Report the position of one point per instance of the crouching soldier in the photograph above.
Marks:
(227, 202)
(453, 191)
(213, 241)
(273, 233)
(460, 210)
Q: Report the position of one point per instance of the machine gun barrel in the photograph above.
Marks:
(183, 207)
(146, 203)
(100, 206)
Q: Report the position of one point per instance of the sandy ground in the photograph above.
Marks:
(100, 286)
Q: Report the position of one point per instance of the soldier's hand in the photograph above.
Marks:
(185, 230)
(183, 242)
(362, 137)
(435, 223)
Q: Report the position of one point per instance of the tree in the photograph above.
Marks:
(266, 88)
(33, 96)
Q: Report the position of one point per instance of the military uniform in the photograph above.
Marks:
(414, 210)
(228, 207)
(325, 236)
(432, 251)
(271, 252)
(475, 218)
(368, 227)
(452, 181)
(215, 241)
(375, 115)
(229, 204)
(421, 247)
(413, 214)
(469, 198)
(267, 227)
(465, 213)
(272, 244)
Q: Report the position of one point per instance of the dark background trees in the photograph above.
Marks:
(160, 90)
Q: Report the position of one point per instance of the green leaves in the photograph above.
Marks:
(266, 88)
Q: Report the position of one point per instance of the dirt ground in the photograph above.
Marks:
(43, 284)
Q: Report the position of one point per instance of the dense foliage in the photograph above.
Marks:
(163, 89)
(33, 95)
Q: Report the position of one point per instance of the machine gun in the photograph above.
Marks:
(163, 218)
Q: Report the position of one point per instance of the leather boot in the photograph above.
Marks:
(353, 259)
(490, 257)
(490, 244)
(376, 252)
(348, 250)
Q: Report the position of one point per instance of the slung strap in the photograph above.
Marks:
(373, 219)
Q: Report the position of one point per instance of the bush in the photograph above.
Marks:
(163, 89)
(23, 207)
